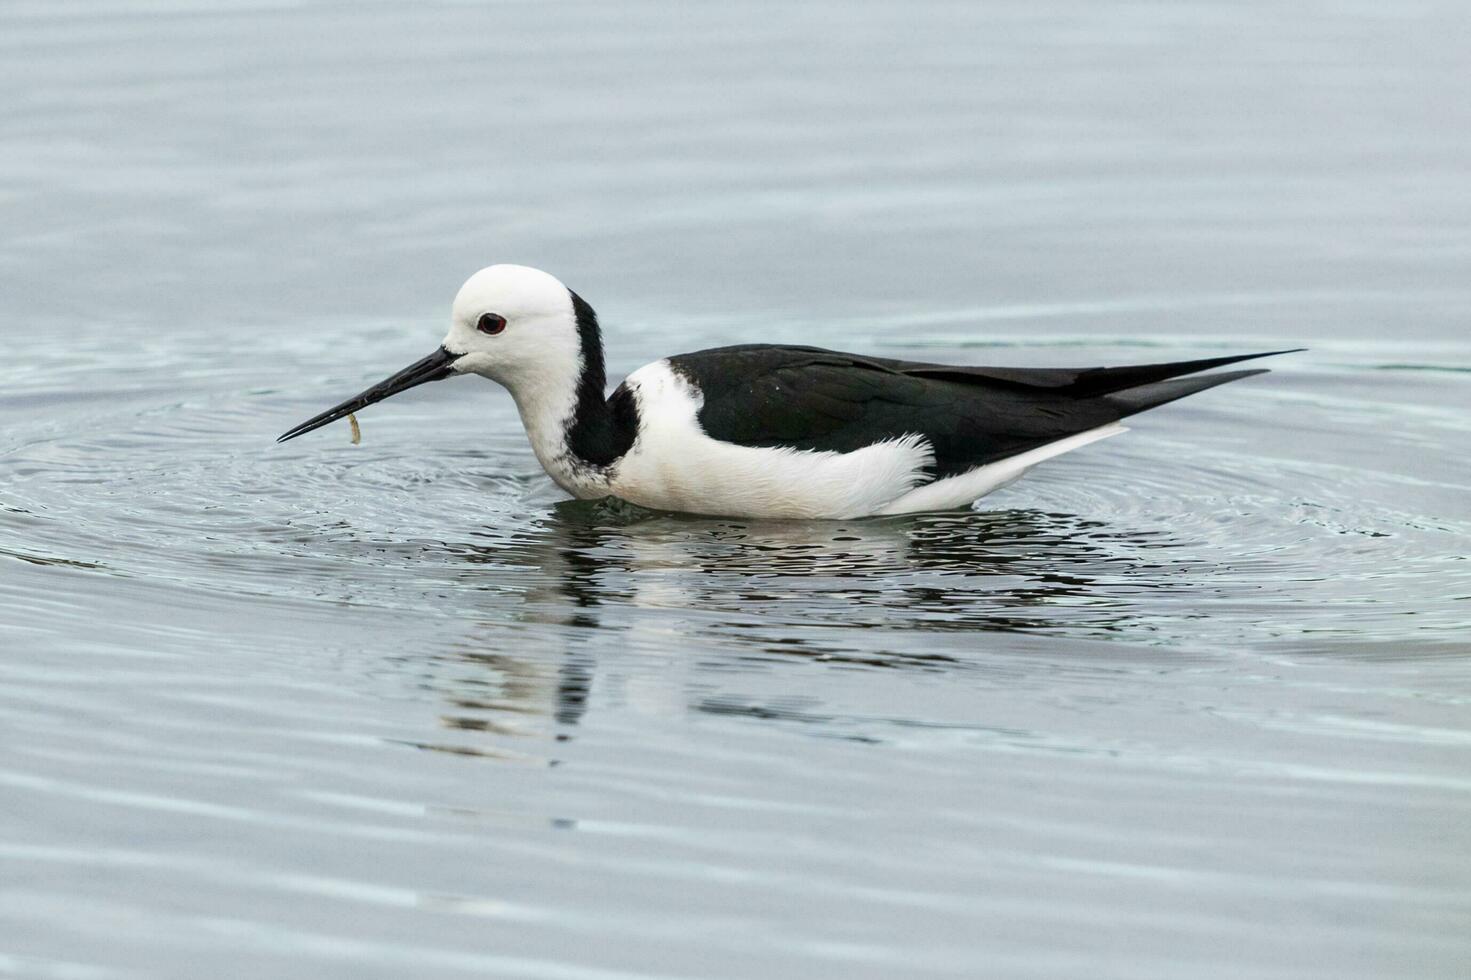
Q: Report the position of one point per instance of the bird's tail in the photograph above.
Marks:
(1131, 401)
(1106, 381)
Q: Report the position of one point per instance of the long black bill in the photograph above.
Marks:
(435, 367)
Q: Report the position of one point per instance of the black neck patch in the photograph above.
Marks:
(601, 429)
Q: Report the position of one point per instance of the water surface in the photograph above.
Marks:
(1190, 702)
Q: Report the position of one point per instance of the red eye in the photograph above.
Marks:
(491, 323)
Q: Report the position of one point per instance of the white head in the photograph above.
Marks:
(515, 325)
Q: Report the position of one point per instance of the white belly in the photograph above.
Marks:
(674, 465)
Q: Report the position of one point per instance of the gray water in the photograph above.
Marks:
(1192, 702)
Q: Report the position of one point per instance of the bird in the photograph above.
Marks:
(767, 430)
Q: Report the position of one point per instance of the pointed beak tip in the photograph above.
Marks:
(435, 367)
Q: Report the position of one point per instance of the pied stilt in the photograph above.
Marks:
(762, 430)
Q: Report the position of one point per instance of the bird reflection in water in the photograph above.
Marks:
(1016, 570)
(713, 593)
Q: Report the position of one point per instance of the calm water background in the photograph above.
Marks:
(1193, 702)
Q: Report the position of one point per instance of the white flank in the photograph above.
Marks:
(674, 465)
(972, 485)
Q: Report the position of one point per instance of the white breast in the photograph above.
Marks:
(674, 465)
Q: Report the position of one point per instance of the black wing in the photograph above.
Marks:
(809, 398)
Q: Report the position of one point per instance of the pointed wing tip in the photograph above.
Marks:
(1221, 377)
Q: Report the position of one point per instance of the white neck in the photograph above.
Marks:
(558, 387)
(547, 400)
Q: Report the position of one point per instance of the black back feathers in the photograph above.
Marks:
(809, 398)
